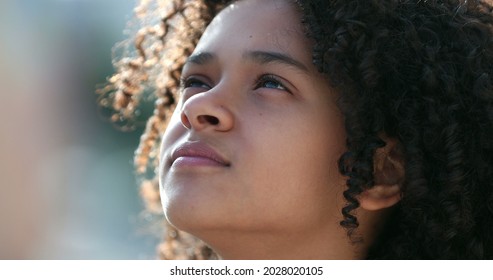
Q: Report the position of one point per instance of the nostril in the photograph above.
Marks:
(209, 119)
(185, 121)
(212, 120)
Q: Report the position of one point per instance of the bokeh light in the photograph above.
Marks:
(67, 185)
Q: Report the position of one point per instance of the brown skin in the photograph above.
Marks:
(279, 193)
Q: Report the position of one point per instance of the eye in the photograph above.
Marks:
(192, 82)
(271, 82)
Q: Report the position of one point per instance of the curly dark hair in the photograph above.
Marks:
(419, 71)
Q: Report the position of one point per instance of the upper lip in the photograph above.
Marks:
(197, 149)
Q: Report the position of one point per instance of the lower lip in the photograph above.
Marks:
(190, 161)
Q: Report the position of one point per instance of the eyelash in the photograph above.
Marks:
(188, 82)
(270, 78)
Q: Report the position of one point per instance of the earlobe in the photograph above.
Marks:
(380, 197)
(388, 177)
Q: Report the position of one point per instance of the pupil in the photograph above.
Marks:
(271, 84)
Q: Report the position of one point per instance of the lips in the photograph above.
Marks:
(196, 154)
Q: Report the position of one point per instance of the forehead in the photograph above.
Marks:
(256, 24)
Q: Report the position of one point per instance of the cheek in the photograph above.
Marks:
(305, 158)
(307, 146)
(174, 131)
(294, 171)
(171, 136)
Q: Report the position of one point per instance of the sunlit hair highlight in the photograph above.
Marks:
(148, 65)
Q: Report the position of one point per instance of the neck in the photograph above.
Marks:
(277, 246)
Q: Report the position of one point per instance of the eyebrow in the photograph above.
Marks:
(261, 57)
(201, 58)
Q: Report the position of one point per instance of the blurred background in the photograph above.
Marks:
(67, 186)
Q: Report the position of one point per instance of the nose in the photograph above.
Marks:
(206, 111)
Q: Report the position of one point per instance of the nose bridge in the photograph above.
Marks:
(208, 109)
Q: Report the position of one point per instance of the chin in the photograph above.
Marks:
(188, 216)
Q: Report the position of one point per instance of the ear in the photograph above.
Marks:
(388, 176)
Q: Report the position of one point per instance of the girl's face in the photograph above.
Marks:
(252, 148)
